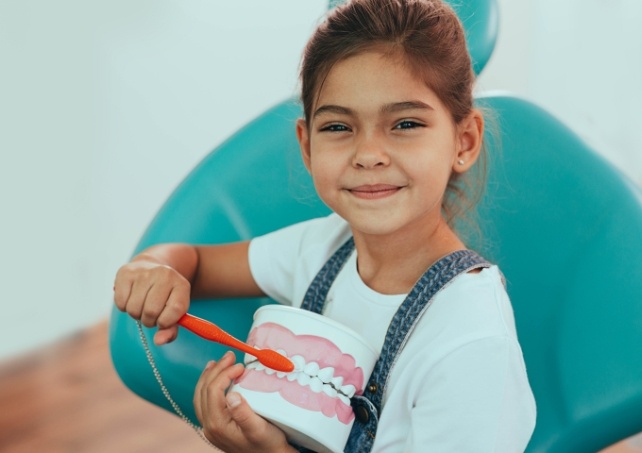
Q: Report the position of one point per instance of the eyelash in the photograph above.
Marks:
(334, 128)
(405, 124)
(410, 123)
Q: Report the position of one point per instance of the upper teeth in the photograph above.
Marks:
(311, 375)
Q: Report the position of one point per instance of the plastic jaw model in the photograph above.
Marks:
(312, 403)
(324, 379)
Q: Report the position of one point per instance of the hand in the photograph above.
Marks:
(227, 420)
(154, 293)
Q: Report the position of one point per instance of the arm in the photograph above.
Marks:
(156, 286)
(224, 271)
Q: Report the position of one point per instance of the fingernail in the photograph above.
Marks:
(233, 399)
(228, 354)
(210, 364)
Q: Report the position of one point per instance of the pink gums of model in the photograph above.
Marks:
(324, 379)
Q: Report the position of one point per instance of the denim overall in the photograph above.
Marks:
(368, 405)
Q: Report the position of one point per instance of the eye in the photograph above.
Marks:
(408, 124)
(336, 127)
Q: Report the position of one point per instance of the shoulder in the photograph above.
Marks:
(285, 261)
(320, 236)
(473, 305)
(472, 314)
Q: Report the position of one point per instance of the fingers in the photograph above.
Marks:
(154, 294)
(177, 303)
(122, 289)
(136, 301)
(216, 381)
(209, 395)
(164, 336)
(198, 390)
(152, 302)
(253, 426)
(228, 421)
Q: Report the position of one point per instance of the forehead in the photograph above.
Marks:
(374, 78)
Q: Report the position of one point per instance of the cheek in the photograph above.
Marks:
(324, 166)
(326, 178)
(319, 171)
(430, 170)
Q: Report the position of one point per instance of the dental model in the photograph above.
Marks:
(324, 379)
(311, 374)
(311, 404)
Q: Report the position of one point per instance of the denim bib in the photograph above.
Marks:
(368, 405)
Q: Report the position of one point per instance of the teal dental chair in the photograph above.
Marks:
(565, 227)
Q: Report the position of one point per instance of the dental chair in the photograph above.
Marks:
(564, 226)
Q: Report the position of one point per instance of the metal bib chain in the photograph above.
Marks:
(159, 379)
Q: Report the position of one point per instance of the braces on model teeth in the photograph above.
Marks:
(308, 374)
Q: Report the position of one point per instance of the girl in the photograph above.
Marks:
(389, 129)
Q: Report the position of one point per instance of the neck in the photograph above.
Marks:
(392, 264)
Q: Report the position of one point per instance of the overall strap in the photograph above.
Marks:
(367, 406)
(314, 298)
(437, 277)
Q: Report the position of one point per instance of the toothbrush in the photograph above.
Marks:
(212, 332)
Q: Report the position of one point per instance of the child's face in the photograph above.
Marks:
(381, 146)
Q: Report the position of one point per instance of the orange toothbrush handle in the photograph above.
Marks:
(212, 332)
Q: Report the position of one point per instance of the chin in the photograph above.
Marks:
(376, 226)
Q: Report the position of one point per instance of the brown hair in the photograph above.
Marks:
(429, 38)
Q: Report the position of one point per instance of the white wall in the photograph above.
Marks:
(582, 60)
(105, 106)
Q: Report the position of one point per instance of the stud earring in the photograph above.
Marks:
(461, 162)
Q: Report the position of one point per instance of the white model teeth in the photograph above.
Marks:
(348, 390)
(326, 375)
(308, 374)
(316, 385)
(258, 366)
(298, 362)
(303, 379)
(311, 369)
(330, 391)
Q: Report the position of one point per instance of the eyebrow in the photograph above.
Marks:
(387, 108)
(406, 105)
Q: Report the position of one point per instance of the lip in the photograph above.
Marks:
(374, 191)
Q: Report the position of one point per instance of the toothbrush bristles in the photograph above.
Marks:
(276, 361)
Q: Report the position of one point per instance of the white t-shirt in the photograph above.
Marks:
(459, 384)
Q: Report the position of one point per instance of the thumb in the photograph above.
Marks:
(248, 421)
(166, 335)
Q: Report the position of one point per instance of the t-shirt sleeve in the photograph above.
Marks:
(270, 258)
(284, 262)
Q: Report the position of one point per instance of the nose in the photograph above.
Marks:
(370, 153)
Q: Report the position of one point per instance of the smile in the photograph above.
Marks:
(324, 379)
(374, 191)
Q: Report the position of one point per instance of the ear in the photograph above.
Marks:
(303, 136)
(470, 133)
